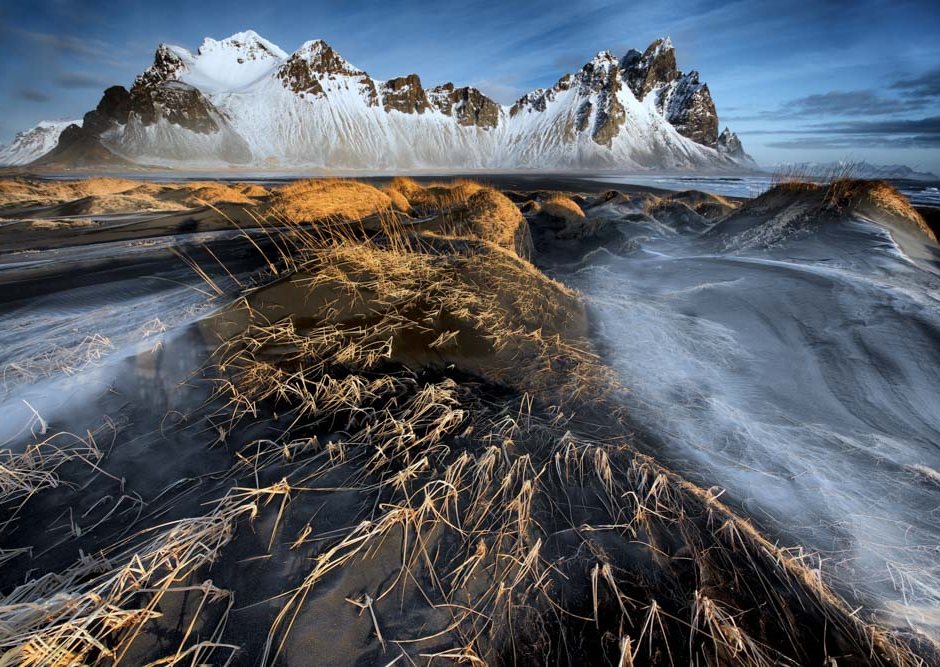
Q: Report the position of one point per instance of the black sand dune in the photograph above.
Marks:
(398, 441)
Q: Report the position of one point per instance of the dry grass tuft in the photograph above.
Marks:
(202, 193)
(493, 217)
(862, 195)
(562, 208)
(329, 199)
(398, 200)
(437, 197)
(254, 191)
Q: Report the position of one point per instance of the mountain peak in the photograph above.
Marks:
(248, 43)
(653, 68)
(323, 58)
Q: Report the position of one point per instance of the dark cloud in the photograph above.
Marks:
(924, 86)
(845, 103)
(855, 142)
(888, 133)
(79, 80)
(848, 103)
(32, 95)
(67, 45)
(930, 125)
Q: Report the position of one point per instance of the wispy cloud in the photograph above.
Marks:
(32, 95)
(926, 85)
(885, 133)
(848, 103)
(67, 45)
(80, 80)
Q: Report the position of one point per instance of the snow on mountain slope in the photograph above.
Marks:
(244, 101)
(32, 144)
(229, 64)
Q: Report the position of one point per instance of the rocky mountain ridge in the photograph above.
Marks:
(244, 101)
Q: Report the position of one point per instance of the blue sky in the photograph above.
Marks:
(797, 81)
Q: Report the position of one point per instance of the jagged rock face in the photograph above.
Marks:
(114, 107)
(729, 144)
(298, 76)
(681, 99)
(537, 100)
(688, 106)
(177, 102)
(405, 94)
(166, 66)
(600, 111)
(468, 105)
(653, 68)
(306, 71)
(602, 76)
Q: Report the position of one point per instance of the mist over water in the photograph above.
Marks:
(803, 381)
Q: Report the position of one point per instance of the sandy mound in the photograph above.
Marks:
(707, 205)
(493, 217)
(399, 201)
(475, 307)
(22, 192)
(329, 199)
(801, 207)
(877, 200)
(678, 216)
(562, 208)
(438, 196)
(254, 191)
(191, 195)
(98, 196)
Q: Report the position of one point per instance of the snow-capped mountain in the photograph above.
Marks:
(33, 143)
(244, 101)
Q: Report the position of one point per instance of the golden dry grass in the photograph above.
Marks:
(438, 196)
(254, 190)
(112, 195)
(562, 208)
(60, 224)
(878, 195)
(329, 199)
(398, 200)
(491, 216)
(201, 193)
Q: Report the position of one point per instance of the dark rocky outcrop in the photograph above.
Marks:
(688, 106)
(729, 143)
(298, 76)
(405, 94)
(653, 68)
(602, 76)
(114, 107)
(681, 98)
(468, 105)
(177, 102)
(600, 112)
(79, 147)
(313, 63)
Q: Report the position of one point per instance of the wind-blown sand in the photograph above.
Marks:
(363, 434)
